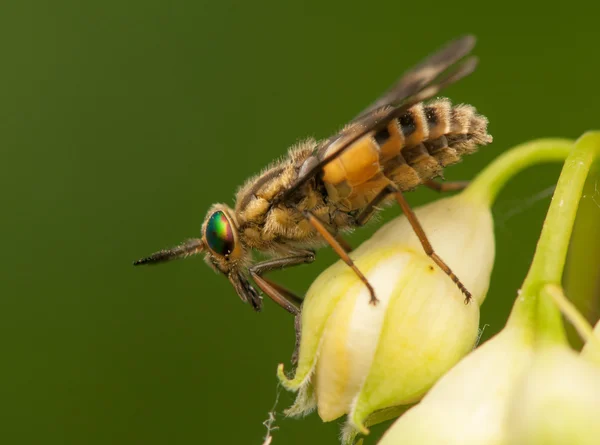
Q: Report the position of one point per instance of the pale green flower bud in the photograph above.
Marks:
(356, 358)
(469, 404)
(558, 402)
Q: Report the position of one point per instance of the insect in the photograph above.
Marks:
(322, 189)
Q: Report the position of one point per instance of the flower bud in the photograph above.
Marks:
(558, 401)
(356, 358)
(469, 404)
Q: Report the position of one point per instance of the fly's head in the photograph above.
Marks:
(226, 254)
(223, 252)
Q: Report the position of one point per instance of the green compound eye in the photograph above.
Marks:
(219, 234)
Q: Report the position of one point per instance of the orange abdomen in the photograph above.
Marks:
(410, 150)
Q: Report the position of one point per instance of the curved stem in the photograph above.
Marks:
(549, 258)
(591, 350)
(582, 273)
(486, 186)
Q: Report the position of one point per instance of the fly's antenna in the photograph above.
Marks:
(187, 248)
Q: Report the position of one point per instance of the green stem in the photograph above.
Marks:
(549, 328)
(584, 329)
(582, 278)
(549, 259)
(591, 350)
(486, 186)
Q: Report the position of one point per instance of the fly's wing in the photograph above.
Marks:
(423, 74)
(424, 81)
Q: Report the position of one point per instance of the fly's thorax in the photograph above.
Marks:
(410, 150)
(286, 225)
(255, 198)
(264, 223)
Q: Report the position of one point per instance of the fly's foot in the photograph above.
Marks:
(467, 294)
(373, 300)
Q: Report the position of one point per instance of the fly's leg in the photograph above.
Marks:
(285, 298)
(370, 209)
(298, 329)
(339, 249)
(450, 186)
(416, 225)
(279, 294)
(365, 215)
(345, 245)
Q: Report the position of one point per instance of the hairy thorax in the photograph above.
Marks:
(266, 225)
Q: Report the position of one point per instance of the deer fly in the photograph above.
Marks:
(322, 189)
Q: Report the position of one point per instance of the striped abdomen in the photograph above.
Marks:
(410, 150)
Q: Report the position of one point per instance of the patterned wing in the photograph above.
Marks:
(428, 78)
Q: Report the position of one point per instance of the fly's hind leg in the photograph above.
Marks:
(416, 225)
(365, 214)
(368, 211)
(450, 186)
(339, 249)
(345, 245)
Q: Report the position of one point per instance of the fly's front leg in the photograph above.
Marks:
(298, 329)
(416, 225)
(339, 249)
(280, 295)
(285, 298)
(450, 186)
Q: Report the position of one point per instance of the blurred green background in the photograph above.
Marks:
(121, 122)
